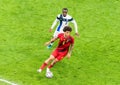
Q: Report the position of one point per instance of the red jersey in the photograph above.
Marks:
(63, 46)
(64, 43)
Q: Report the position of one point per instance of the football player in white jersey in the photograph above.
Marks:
(63, 20)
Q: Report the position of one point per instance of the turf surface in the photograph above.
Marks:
(24, 26)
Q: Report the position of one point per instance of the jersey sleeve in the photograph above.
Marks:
(74, 22)
(75, 25)
(55, 21)
(70, 18)
(58, 16)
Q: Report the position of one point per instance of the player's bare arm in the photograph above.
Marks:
(52, 40)
(77, 34)
(70, 51)
(50, 30)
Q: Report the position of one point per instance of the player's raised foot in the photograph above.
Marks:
(39, 70)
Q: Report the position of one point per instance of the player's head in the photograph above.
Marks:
(64, 11)
(67, 30)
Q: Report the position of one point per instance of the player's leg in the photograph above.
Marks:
(52, 64)
(59, 56)
(46, 63)
(55, 54)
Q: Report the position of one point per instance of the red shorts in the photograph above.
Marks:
(59, 55)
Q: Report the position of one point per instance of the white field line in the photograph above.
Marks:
(8, 82)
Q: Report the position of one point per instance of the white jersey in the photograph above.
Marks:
(63, 21)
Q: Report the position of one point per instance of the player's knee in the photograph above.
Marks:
(56, 60)
(51, 57)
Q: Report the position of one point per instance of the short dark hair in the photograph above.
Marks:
(65, 9)
(67, 28)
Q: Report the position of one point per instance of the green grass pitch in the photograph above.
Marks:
(24, 26)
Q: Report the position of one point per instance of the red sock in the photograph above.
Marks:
(43, 66)
(50, 66)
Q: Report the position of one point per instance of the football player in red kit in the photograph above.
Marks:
(64, 48)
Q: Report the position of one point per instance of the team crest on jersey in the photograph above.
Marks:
(68, 40)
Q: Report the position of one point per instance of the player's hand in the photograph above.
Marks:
(47, 43)
(68, 55)
(77, 34)
(50, 30)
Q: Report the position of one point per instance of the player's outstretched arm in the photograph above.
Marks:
(52, 40)
(76, 27)
(54, 23)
